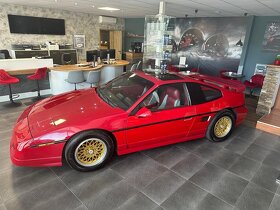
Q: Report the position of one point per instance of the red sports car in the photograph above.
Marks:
(133, 112)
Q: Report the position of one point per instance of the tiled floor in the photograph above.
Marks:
(239, 173)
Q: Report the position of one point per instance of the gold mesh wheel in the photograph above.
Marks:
(90, 152)
(223, 126)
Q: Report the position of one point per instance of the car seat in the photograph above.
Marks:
(169, 98)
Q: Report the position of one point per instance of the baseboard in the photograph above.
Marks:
(26, 95)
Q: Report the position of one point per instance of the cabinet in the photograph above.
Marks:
(116, 43)
(158, 33)
(28, 53)
(111, 40)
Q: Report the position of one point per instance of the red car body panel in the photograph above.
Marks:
(44, 128)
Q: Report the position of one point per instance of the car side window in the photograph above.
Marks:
(166, 97)
(202, 93)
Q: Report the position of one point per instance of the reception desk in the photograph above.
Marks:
(59, 74)
(55, 83)
(24, 65)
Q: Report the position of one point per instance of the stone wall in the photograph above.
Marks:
(269, 90)
(75, 23)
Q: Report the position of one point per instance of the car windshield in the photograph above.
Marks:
(124, 91)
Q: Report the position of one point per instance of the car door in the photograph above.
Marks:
(206, 101)
(168, 120)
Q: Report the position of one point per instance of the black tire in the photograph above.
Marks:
(89, 150)
(214, 135)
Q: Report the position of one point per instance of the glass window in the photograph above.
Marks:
(124, 91)
(202, 93)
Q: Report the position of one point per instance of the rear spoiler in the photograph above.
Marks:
(232, 85)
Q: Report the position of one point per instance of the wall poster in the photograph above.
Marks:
(79, 41)
(271, 40)
(210, 44)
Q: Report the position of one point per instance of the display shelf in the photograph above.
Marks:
(159, 30)
(135, 36)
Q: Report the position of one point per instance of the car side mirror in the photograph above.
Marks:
(143, 112)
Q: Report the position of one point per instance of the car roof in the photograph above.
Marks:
(174, 77)
(161, 78)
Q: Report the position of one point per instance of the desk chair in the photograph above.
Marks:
(6, 79)
(66, 58)
(93, 78)
(139, 65)
(75, 77)
(133, 67)
(256, 81)
(6, 54)
(40, 74)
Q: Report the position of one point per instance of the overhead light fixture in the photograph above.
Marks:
(108, 8)
(76, 4)
(92, 6)
(240, 43)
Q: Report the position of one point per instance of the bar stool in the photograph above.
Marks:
(93, 78)
(6, 79)
(75, 77)
(40, 74)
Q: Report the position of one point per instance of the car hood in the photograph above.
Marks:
(70, 109)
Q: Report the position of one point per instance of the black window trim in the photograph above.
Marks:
(137, 108)
(208, 87)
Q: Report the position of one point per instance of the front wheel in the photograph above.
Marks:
(89, 150)
(221, 126)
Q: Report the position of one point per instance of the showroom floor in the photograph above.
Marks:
(239, 173)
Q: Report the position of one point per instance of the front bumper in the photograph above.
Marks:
(23, 154)
(37, 156)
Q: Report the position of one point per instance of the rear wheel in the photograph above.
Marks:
(89, 150)
(221, 127)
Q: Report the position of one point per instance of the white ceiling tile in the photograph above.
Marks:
(176, 8)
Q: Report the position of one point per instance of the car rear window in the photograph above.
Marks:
(201, 93)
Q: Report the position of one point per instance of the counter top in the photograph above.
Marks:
(67, 68)
(87, 68)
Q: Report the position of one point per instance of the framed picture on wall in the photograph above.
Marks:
(271, 41)
(79, 41)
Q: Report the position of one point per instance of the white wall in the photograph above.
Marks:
(75, 23)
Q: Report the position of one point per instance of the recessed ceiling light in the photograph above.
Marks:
(55, 1)
(76, 4)
(108, 8)
(92, 6)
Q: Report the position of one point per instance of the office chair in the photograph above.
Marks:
(255, 82)
(139, 65)
(66, 58)
(133, 67)
(6, 54)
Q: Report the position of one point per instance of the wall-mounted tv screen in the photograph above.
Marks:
(36, 25)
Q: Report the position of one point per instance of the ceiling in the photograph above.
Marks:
(177, 8)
